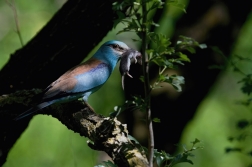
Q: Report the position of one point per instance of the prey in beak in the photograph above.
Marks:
(127, 58)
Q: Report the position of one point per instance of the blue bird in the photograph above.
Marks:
(84, 79)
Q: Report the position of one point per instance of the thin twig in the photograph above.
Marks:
(161, 72)
(147, 85)
(13, 7)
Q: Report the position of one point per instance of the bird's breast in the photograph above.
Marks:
(90, 80)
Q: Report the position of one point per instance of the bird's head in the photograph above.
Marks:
(111, 51)
(116, 47)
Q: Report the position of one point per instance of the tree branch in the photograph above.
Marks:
(147, 89)
(107, 134)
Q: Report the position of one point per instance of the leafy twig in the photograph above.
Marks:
(162, 54)
(147, 85)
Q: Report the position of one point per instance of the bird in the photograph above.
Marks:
(82, 80)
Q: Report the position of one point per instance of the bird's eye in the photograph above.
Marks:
(115, 46)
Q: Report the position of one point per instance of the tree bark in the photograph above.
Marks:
(107, 134)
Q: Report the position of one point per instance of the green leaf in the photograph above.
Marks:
(161, 41)
(169, 50)
(180, 158)
(177, 61)
(162, 78)
(195, 141)
(159, 160)
(158, 61)
(183, 57)
(189, 44)
(141, 78)
(149, 51)
(156, 120)
(175, 81)
(121, 16)
(190, 49)
(162, 61)
(184, 148)
(177, 4)
(217, 50)
(161, 157)
(133, 139)
(134, 24)
(138, 101)
(156, 4)
(202, 46)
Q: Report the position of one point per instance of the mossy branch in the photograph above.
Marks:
(107, 134)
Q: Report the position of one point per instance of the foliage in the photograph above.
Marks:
(164, 159)
(136, 17)
(162, 53)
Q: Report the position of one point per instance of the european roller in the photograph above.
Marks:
(84, 79)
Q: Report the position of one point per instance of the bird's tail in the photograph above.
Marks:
(33, 110)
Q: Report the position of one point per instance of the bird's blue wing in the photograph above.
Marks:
(78, 85)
